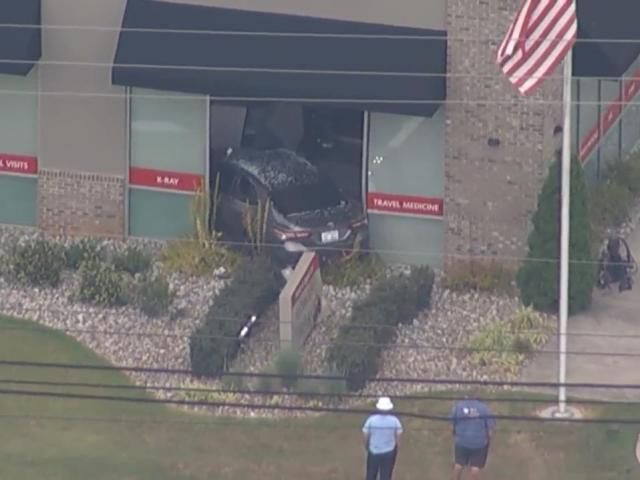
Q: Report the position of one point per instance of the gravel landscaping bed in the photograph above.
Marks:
(124, 336)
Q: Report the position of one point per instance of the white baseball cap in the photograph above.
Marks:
(384, 404)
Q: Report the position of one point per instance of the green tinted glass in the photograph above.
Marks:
(168, 131)
(159, 215)
(19, 121)
(18, 200)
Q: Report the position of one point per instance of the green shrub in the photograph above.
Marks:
(626, 174)
(353, 271)
(78, 252)
(268, 384)
(609, 206)
(197, 258)
(255, 286)
(480, 276)
(133, 260)
(38, 263)
(234, 382)
(371, 326)
(506, 345)
(288, 365)
(101, 284)
(537, 278)
(154, 297)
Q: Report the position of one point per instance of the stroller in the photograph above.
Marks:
(616, 265)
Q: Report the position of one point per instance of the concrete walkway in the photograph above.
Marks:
(605, 341)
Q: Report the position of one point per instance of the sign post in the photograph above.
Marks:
(300, 302)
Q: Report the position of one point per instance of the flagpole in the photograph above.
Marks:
(565, 218)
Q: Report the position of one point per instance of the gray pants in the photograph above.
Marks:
(380, 466)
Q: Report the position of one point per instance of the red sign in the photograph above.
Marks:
(405, 204)
(24, 164)
(147, 177)
(630, 88)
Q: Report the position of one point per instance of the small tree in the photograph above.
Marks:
(538, 278)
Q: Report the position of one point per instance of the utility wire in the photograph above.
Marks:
(478, 258)
(255, 423)
(387, 346)
(444, 36)
(296, 408)
(406, 380)
(287, 71)
(153, 333)
(298, 393)
(309, 100)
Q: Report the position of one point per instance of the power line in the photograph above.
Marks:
(297, 393)
(252, 424)
(406, 380)
(308, 408)
(388, 346)
(311, 100)
(444, 36)
(153, 333)
(480, 258)
(287, 71)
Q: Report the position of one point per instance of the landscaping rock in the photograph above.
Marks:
(432, 346)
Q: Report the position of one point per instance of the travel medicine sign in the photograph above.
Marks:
(405, 205)
(18, 164)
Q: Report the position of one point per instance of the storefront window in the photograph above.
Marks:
(169, 155)
(406, 188)
(18, 149)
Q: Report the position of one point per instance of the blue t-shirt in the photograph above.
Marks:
(382, 431)
(472, 420)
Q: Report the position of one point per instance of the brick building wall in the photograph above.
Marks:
(75, 203)
(491, 191)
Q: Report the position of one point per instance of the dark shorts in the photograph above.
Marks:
(471, 457)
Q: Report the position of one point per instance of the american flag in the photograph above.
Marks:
(541, 35)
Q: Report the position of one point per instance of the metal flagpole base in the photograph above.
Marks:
(569, 413)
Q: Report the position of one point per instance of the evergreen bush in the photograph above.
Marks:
(154, 296)
(288, 365)
(538, 277)
(133, 260)
(392, 301)
(38, 263)
(101, 284)
(78, 252)
(255, 286)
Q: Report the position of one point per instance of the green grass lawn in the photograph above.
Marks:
(51, 439)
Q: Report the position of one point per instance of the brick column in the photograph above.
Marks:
(75, 203)
(491, 191)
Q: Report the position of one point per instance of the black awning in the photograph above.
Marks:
(20, 36)
(608, 37)
(243, 56)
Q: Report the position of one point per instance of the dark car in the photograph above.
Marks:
(306, 211)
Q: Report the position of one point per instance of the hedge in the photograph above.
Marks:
(391, 302)
(255, 286)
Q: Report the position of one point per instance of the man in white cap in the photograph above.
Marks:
(381, 433)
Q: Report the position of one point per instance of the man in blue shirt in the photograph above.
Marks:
(381, 433)
(473, 427)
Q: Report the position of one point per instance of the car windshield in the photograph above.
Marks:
(310, 197)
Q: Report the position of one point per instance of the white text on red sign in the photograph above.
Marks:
(407, 205)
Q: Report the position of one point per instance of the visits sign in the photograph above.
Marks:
(19, 164)
(300, 301)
